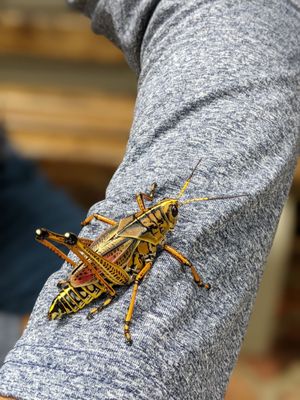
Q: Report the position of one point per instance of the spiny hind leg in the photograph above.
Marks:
(184, 261)
(98, 309)
(129, 314)
(99, 217)
(42, 234)
(141, 197)
(86, 241)
(80, 249)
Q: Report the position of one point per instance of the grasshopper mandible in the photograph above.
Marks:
(121, 255)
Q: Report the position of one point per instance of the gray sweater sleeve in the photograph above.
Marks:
(218, 81)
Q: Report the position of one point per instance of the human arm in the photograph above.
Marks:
(217, 81)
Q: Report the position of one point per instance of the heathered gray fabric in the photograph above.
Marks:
(217, 80)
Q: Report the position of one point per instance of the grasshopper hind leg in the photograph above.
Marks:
(98, 309)
(128, 318)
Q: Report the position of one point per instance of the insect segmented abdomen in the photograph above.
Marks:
(71, 299)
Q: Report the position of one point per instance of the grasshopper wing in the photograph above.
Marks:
(112, 245)
(117, 251)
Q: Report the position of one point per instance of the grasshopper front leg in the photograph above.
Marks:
(183, 260)
(140, 197)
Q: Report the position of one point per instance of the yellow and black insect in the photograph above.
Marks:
(121, 255)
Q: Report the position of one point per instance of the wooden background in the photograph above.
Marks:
(66, 95)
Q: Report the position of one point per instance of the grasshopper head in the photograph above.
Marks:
(170, 209)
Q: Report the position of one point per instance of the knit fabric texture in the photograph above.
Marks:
(218, 80)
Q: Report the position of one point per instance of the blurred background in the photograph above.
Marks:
(66, 106)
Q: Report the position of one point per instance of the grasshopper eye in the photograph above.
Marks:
(174, 210)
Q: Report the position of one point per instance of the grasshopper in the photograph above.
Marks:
(121, 255)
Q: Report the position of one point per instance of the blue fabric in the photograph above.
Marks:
(28, 201)
(218, 80)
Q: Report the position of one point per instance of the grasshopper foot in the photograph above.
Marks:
(207, 286)
(127, 334)
(183, 268)
(128, 341)
(90, 315)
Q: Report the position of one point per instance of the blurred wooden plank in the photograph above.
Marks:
(72, 110)
(67, 125)
(65, 35)
(67, 74)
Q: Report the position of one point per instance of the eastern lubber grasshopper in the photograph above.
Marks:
(121, 255)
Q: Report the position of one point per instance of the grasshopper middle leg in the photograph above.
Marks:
(99, 217)
(183, 260)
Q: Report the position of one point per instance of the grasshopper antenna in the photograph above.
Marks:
(213, 198)
(187, 182)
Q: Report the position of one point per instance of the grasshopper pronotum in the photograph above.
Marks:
(121, 255)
